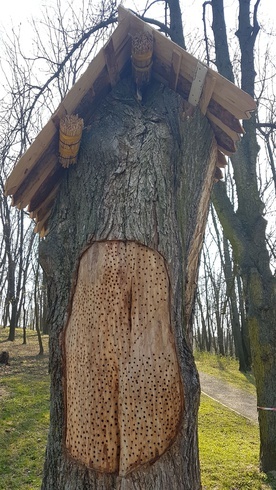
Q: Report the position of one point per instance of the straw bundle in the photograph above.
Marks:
(70, 131)
(142, 49)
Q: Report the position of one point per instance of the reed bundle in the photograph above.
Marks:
(142, 49)
(70, 132)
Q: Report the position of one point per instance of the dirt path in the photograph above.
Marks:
(239, 401)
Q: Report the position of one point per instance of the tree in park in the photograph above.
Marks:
(123, 229)
(155, 224)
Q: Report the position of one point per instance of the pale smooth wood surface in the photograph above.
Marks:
(123, 388)
(198, 236)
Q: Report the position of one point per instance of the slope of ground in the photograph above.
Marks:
(240, 401)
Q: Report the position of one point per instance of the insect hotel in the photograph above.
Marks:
(118, 183)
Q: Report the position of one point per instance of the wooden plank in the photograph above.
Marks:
(229, 119)
(122, 14)
(29, 159)
(120, 309)
(45, 206)
(207, 92)
(46, 187)
(40, 225)
(174, 71)
(232, 134)
(43, 170)
(224, 150)
(224, 141)
(233, 98)
(197, 84)
(111, 62)
(221, 162)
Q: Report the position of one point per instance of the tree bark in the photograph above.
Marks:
(140, 177)
(241, 354)
(176, 24)
(259, 286)
(245, 229)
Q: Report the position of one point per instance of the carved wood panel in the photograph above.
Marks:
(123, 388)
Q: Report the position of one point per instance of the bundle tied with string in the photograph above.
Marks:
(70, 132)
(142, 49)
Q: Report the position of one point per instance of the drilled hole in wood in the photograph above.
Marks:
(120, 352)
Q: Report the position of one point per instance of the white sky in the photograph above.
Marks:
(18, 11)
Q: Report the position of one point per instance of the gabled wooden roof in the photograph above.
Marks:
(35, 179)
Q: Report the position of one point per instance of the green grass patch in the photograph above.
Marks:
(24, 407)
(229, 450)
(225, 368)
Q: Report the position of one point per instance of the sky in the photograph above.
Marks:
(15, 12)
(18, 10)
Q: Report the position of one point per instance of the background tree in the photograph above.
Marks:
(245, 227)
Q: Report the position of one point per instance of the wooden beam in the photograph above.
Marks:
(232, 134)
(44, 168)
(239, 103)
(224, 115)
(40, 225)
(46, 187)
(30, 158)
(221, 161)
(197, 84)
(111, 63)
(45, 206)
(207, 92)
(175, 67)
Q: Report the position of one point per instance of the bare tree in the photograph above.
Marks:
(246, 227)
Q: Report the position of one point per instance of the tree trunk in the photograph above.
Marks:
(259, 286)
(140, 182)
(244, 324)
(245, 229)
(235, 320)
(36, 312)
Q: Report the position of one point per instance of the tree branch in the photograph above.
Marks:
(155, 22)
(70, 53)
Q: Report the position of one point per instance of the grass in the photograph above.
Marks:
(229, 450)
(24, 407)
(228, 443)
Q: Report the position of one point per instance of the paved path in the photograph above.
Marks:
(237, 400)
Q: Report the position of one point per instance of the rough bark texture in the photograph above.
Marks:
(140, 176)
(246, 230)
